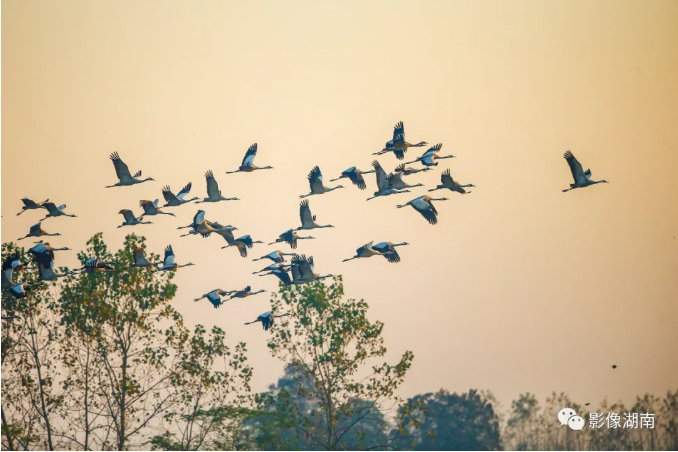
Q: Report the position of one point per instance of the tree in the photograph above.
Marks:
(450, 422)
(330, 398)
(106, 363)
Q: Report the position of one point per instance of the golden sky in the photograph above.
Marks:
(519, 287)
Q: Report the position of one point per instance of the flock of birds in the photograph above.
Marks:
(300, 269)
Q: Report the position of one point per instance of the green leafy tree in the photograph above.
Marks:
(335, 393)
(104, 361)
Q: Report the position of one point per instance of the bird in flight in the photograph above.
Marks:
(125, 178)
(248, 165)
(581, 178)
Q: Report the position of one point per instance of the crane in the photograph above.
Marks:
(244, 293)
(213, 192)
(37, 231)
(275, 256)
(31, 205)
(354, 175)
(396, 181)
(581, 178)
(266, 319)
(384, 188)
(398, 145)
(214, 297)
(125, 178)
(424, 206)
(409, 170)
(303, 270)
(388, 250)
(282, 274)
(248, 165)
(429, 157)
(315, 180)
(308, 219)
(242, 243)
(130, 219)
(291, 237)
(175, 201)
(151, 208)
(448, 182)
(168, 264)
(364, 251)
(54, 211)
(140, 261)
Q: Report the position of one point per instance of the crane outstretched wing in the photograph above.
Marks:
(446, 179)
(121, 169)
(315, 179)
(168, 195)
(305, 213)
(382, 178)
(575, 168)
(184, 191)
(249, 155)
(398, 132)
(212, 186)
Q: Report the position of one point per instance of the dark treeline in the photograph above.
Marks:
(103, 361)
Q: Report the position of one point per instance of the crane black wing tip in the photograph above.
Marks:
(446, 172)
(114, 156)
(568, 155)
(304, 203)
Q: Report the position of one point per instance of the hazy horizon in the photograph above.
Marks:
(519, 287)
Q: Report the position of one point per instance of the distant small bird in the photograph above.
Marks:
(275, 256)
(214, 297)
(244, 293)
(151, 208)
(429, 157)
(168, 264)
(290, 237)
(425, 207)
(266, 319)
(587, 404)
(54, 211)
(355, 176)
(315, 180)
(130, 219)
(213, 192)
(140, 261)
(581, 178)
(31, 205)
(308, 219)
(37, 231)
(388, 250)
(398, 145)
(614, 366)
(409, 170)
(384, 187)
(448, 182)
(175, 201)
(207, 227)
(125, 178)
(248, 165)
